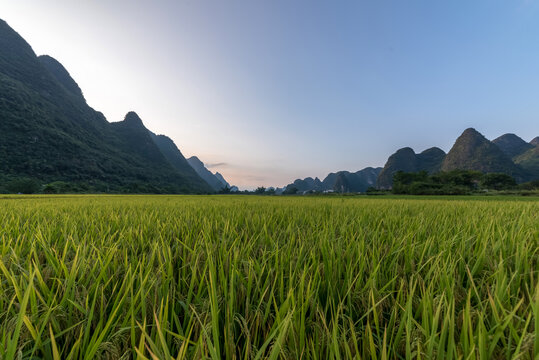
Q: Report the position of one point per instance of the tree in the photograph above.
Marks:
(260, 190)
(406, 178)
(468, 178)
(531, 185)
(57, 187)
(23, 186)
(456, 182)
(290, 190)
(225, 190)
(409, 182)
(497, 181)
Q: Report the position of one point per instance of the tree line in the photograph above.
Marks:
(456, 182)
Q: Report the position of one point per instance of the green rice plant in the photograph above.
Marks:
(237, 277)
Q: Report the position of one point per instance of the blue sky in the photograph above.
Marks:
(270, 91)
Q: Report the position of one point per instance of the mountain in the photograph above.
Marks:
(512, 145)
(308, 184)
(61, 74)
(342, 181)
(472, 151)
(342, 184)
(136, 139)
(507, 154)
(404, 159)
(529, 161)
(49, 133)
(216, 182)
(430, 160)
(367, 177)
(222, 180)
(407, 160)
(175, 157)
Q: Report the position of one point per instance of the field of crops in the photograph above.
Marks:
(245, 277)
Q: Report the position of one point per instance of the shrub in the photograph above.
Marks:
(23, 186)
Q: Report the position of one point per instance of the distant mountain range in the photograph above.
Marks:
(342, 181)
(49, 133)
(507, 154)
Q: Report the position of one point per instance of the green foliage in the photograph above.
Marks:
(531, 185)
(23, 186)
(464, 178)
(268, 277)
(497, 181)
(404, 178)
(59, 187)
(224, 190)
(455, 182)
(530, 162)
(375, 191)
(290, 190)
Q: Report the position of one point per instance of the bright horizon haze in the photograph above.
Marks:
(269, 91)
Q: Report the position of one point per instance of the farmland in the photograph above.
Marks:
(250, 277)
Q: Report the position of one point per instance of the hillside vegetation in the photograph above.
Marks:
(507, 154)
(48, 133)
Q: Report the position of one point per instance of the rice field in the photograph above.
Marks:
(245, 277)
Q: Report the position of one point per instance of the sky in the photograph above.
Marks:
(269, 91)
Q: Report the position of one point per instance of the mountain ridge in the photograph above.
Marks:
(210, 178)
(62, 75)
(405, 159)
(512, 145)
(49, 133)
(341, 181)
(507, 154)
(472, 151)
